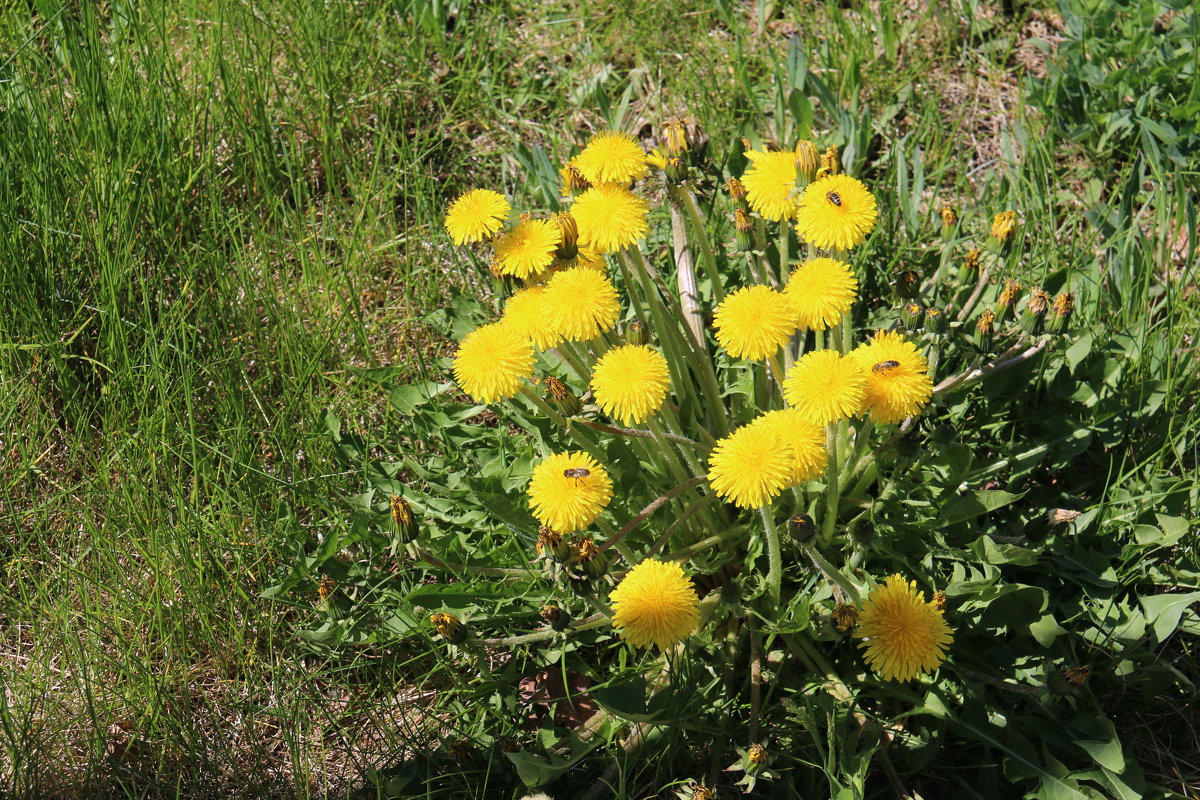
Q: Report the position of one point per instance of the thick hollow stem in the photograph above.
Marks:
(774, 555)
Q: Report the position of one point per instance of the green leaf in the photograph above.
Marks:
(995, 553)
(972, 505)
(1164, 610)
(408, 397)
(1046, 630)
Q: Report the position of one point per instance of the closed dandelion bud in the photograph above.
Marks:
(935, 321)
(637, 332)
(403, 521)
(555, 617)
(802, 528)
(985, 332)
(1035, 311)
(1003, 225)
(552, 545)
(939, 600)
(971, 262)
(949, 220)
(676, 169)
(756, 756)
(449, 627)
(808, 160)
(1060, 314)
(845, 616)
(736, 190)
(589, 561)
(696, 791)
(568, 246)
(674, 137)
(744, 227)
(911, 315)
(697, 138)
(829, 163)
(1008, 299)
(561, 396)
(908, 284)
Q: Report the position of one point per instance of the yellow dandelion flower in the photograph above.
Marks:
(1003, 225)
(568, 491)
(825, 386)
(528, 249)
(821, 290)
(754, 322)
(804, 440)
(630, 382)
(526, 311)
(611, 157)
(656, 159)
(476, 215)
(835, 213)
(750, 466)
(580, 303)
(898, 383)
(609, 217)
(655, 603)
(904, 635)
(770, 182)
(492, 361)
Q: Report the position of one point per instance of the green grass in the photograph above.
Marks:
(210, 212)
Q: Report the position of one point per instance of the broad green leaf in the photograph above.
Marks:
(973, 504)
(1164, 611)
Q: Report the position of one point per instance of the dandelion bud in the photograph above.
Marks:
(696, 791)
(845, 616)
(1061, 516)
(403, 521)
(985, 332)
(1064, 304)
(555, 617)
(636, 332)
(1008, 298)
(551, 545)
(949, 220)
(449, 627)
(756, 756)
(561, 396)
(589, 561)
(829, 163)
(744, 227)
(807, 160)
(1077, 676)
(1002, 226)
(935, 321)
(971, 262)
(1035, 311)
(802, 528)
(736, 190)
(676, 169)
(674, 136)
(911, 315)
(572, 179)
(697, 138)
(908, 284)
(568, 247)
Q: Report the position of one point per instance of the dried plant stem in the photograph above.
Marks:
(965, 310)
(1003, 362)
(707, 253)
(586, 624)
(640, 434)
(685, 275)
(654, 505)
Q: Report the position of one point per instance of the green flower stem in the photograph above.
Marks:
(837, 687)
(586, 624)
(566, 351)
(708, 543)
(633, 295)
(654, 505)
(634, 432)
(785, 235)
(678, 472)
(614, 540)
(774, 557)
(776, 370)
(760, 244)
(678, 523)
(831, 573)
(703, 243)
(752, 263)
(831, 485)
(585, 439)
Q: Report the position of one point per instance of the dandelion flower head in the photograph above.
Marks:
(611, 157)
(475, 215)
(492, 361)
(903, 634)
(526, 311)
(568, 491)
(609, 217)
(824, 386)
(835, 213)
(580, 303)
(821, 290)
(754, 322)
(630, 382)
(804, 440)
(528, 249)
(750, 466)
(898, 383)
(655, 603)
(770, 182)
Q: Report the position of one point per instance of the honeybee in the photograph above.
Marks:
(884, 366)
(577, 473)
(834, 198)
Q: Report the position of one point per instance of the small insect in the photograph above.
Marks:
(1077, 675)
(834, 198)
(884, 366)
(578, 473)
